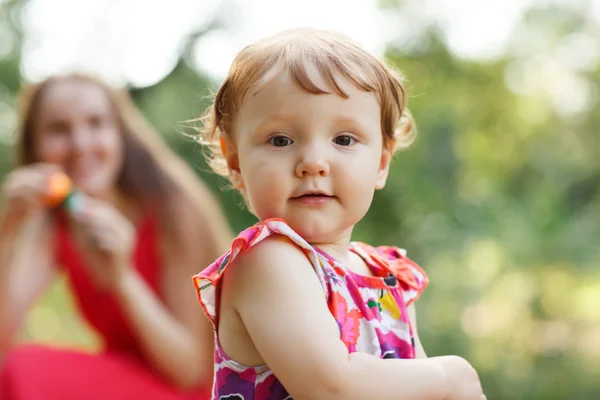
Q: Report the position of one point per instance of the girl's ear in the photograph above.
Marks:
(384, 165)
(233, 163)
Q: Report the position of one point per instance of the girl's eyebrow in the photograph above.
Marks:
(352, 120)
(278, 117)
(273, 118)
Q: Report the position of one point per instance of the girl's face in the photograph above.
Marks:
(76, 128)
(312, 160)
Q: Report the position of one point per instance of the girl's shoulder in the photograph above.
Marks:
(208, 281)
(247, 239)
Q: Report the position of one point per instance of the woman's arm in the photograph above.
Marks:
(179, 346)
(26, 269)
(176, 336)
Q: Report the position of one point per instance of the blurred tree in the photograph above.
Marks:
(498, 199)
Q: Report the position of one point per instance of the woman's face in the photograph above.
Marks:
(76, 128)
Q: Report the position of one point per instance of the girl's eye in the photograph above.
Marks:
(344, 140)
(280, 141)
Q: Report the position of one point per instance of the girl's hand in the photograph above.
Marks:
(24, 190)
(109, 237)
(462, 380)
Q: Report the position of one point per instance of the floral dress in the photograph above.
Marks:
(371, 311)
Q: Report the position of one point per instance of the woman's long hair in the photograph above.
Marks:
(152, 174)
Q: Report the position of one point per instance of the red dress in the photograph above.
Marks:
(120, 371)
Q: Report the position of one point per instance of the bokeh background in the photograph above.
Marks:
(499, 198)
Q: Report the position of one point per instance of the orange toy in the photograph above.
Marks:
(59, 187)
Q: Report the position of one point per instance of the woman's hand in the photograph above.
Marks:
(23, 191)
(109, 237)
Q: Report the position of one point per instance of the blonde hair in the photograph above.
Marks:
(331, 53)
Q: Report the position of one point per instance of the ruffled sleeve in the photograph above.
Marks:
(392, 260)
(207, 282)
(411, 276)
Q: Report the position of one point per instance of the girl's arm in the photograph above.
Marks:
(412, 314)
(26, 269)
(175, 334)
(282, 305)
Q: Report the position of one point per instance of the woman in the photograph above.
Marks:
(147, 226)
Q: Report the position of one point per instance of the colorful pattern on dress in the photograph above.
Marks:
(371, 311)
